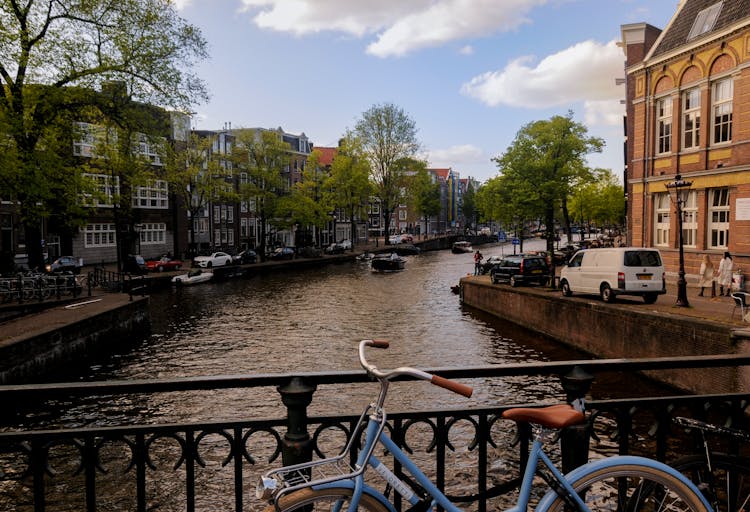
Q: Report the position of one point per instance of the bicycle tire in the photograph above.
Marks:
(324, 499)
(632, 487)
(728, 489)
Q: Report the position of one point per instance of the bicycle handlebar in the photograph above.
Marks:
(450, 385)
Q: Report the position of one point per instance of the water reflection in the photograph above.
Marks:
(312, 320)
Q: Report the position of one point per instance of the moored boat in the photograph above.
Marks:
(387, 262)
(461, 247)
(193, 277)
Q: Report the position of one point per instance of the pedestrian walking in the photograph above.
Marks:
(477, 263)
(725, 274)
(707, 276)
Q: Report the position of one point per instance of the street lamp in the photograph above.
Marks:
(678, 193)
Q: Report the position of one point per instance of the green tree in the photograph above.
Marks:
(541, 165)
(469, 206)
(425, 196)
(264, 156)
(307, 204)
(52, 57)
(196, 177)
(348, 185)
(600, 201)
(389, 141)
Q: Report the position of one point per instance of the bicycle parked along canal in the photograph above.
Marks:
(618, 483)
(724, 479)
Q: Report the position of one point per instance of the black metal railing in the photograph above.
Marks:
(213, 465)
(120, 282)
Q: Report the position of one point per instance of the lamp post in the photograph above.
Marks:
(678, 192)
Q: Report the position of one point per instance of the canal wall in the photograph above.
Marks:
(618, 331)
(62, 336)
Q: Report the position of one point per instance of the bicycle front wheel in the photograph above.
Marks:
(727, 487)
(633, 487)
(337, 498)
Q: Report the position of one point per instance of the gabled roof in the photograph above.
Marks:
(676, 34)
(326, 155)
(441, 173)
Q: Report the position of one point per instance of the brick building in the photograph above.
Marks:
(688, 114)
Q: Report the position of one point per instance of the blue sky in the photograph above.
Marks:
(470, 73)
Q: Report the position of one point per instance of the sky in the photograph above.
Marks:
(470, 73)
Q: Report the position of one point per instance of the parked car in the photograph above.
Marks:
(217, 259)
(134, 264)
(394, 239)
(334, 248)
(162, 264)
(490, 262)
(346, 244)
(520, 269)
(613, 271)
(66, 264)
(283, 253)
(244, 257)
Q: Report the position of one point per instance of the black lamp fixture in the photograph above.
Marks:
(678, 193)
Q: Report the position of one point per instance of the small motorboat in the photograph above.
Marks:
(461, 247)
(193, 277)
(365, 256)
(387, 262)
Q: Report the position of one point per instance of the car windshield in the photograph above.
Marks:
(642, 259)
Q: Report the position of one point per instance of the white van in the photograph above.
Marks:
(614, 271)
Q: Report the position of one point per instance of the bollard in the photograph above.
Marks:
(574, 440)
(296, 445)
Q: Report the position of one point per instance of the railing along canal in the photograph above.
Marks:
(40, 470)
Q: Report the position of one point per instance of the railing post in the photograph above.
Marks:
(574, 440)
(297, 446)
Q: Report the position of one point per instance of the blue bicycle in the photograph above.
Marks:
(622, 483)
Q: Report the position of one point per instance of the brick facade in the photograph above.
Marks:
(659, 71)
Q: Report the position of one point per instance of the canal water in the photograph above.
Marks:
(285, 322)
(312, 320)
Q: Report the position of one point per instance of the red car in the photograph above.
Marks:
(163, 264)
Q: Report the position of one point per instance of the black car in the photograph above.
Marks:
(283, 253)
(246, 256)
(65, 264)
(520, 269)
(134, 264)
(490, 262)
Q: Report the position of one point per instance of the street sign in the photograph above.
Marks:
(516, 241)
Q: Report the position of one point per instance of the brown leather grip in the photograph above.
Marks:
(456, 387)
(380, 343)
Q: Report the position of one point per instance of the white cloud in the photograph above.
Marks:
(584, 72)
(603, 113)
(181, 4)
(456, 156)
(467, 50)
(398, 27)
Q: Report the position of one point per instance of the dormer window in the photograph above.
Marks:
(705, 20)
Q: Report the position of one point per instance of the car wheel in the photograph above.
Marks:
(566, 289)
(650, 298)
(177, 267)
(543, 281)
(160, 268)
(606, 293)
(513, 281)
(209, 265)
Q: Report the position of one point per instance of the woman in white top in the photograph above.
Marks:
(725, 274)
(707, 276)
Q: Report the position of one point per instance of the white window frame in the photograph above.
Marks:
(705, 20)
(153, 233)
(154, 195)
(691, 118)
(662, 216)
(717, 218)
(99, 235)
(664, 125)
(106, 189)
(690, 220)
(722, 94)
(402, 214)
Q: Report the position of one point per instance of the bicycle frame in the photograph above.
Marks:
(375, 434)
